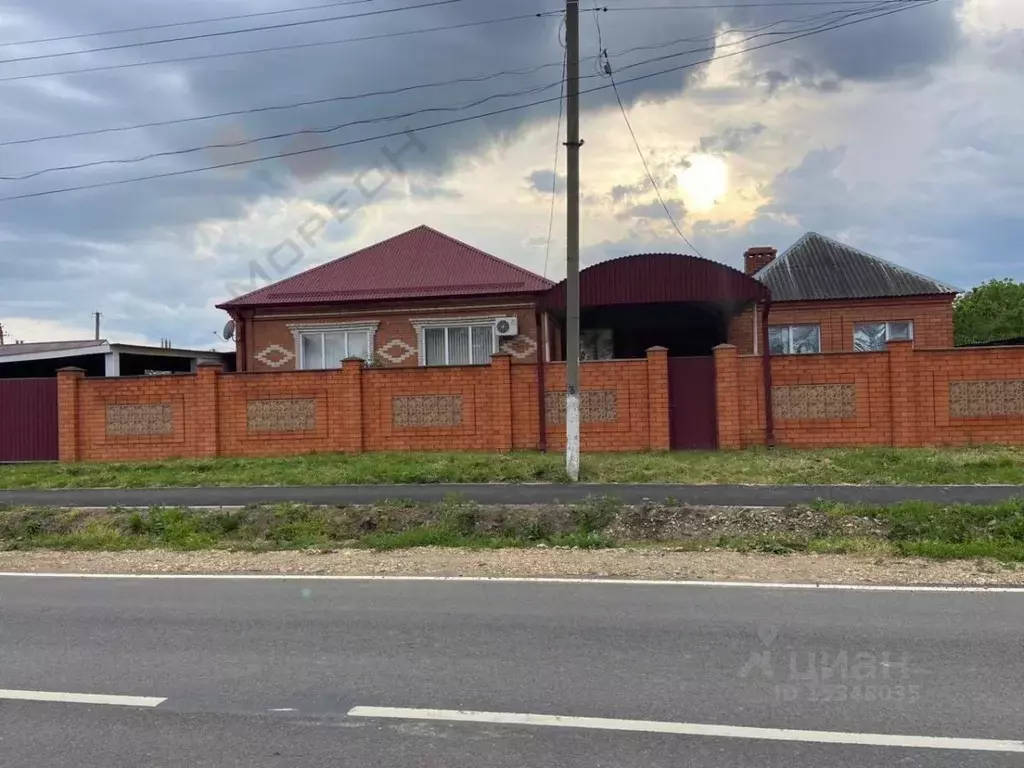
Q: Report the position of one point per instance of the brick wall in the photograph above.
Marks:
(270, 344)
(932, 318)
(493, 407)
(901, 397)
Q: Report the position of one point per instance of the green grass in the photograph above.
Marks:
(980, 465)
(933, 531)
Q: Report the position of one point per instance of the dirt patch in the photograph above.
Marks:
(620, 563)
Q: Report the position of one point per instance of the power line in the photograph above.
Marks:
(227, 32)
(365, 121)
(403, 89)
(647, 169)
(150, 27)
(455, 121)
(554, 167)
(287, 134)
(271, 49)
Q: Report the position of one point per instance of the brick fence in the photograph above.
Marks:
(901, 397)
(353, 409)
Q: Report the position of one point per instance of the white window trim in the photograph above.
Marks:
(789, 342)
(421, 325)
(886, 323)
(297, 329)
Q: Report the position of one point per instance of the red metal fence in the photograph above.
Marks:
(28, 420)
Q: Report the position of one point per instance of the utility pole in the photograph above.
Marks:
(572, 281)
(97, 315)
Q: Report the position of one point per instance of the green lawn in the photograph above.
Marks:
(982, 465)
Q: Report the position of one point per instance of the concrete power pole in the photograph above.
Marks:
(572, 282)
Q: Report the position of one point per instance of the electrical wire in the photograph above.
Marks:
(554, 167)
(271, 49)
(647, 169)
(227, 32)
(781, 3)
(600, 72)
(403, 89)
(150, 27)
(455, 121)
(287, 134)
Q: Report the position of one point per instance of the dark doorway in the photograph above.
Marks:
(28, 420)
(691, 401)
(686, 329)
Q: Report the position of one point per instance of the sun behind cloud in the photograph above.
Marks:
(704, 182)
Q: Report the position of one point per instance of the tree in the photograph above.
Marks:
(990, 312)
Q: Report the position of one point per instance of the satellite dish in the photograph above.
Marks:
(229, 330)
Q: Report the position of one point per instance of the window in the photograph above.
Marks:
(457, 344)
(794, 339)
(321, 347)
(872, 337)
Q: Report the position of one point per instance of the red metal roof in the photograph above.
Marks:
(650, 278)
(420, 263)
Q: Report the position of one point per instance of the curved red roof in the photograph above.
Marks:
(650, 278)
(420, 263)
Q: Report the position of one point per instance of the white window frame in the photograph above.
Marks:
(304, 329)
(789, 338)
(888, 332)
(447, 323)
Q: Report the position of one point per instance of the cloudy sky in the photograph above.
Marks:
(899, 134)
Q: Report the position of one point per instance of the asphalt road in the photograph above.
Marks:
(266, 673)
(724, 495)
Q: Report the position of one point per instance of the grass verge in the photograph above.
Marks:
(914, 529)
(980, 465)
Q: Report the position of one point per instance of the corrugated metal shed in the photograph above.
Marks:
(420, 263)
(816, 267)
(651, 278)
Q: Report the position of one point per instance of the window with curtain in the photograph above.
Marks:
(794, 339)
(458, 344)
(872, 337)
(327, 348)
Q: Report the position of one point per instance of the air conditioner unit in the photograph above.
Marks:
(506, 326)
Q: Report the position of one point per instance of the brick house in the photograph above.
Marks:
(423, 298)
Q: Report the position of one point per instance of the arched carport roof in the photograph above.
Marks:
(653, 278)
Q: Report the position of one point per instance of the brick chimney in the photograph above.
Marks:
(758, 257)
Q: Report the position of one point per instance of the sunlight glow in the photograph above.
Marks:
(704, 183)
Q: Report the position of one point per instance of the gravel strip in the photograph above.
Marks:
(618, 563)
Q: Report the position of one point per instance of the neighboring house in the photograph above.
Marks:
(422, 298)
(99, 357)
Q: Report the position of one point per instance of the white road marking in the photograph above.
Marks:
(518, 580)
(691, 729)
(283, 709)
(82, 698)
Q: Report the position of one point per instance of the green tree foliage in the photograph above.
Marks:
(990, 312)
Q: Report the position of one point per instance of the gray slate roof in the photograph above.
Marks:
(816, 267)
(47, 346)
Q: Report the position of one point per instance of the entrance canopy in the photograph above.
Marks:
(660, 278)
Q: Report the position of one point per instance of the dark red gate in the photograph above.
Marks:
(691, 403)
(28, 420)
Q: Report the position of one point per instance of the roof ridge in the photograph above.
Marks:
(879, 259)
(325, 264)
(490, 256)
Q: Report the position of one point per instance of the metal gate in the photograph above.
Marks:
(28, 420)
(691, 402)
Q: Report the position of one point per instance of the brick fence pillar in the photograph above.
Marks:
(727, 396)
(207, 412)
(501, 401)
(903, 392)
(67, 413)
(350, 411)
(657, 399)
